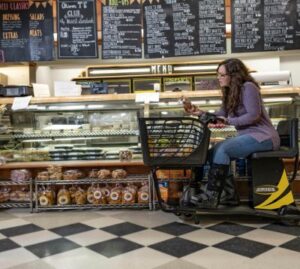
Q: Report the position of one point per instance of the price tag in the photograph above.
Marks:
(147, 97)
(21, 102)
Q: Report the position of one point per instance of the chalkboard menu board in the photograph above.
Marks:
(158, 29)
(265, 25)
(77, 29)
(184, 27)
(14, 25)
(184, 15)
(212, 27)
(121, 29)
(41, 31)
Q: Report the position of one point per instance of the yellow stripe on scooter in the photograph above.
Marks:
(286, 200)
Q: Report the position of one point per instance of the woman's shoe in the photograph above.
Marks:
(216, 179)
(229, 194)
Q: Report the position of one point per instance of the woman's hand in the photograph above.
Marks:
(221, 122)
(190, 108)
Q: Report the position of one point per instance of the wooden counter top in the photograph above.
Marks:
(79, 164)
(163, 95)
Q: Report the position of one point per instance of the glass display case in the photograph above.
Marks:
(280, 105)
(71, 149)
(72, 131)
(98, 132)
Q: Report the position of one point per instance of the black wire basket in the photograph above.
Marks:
(174, 142)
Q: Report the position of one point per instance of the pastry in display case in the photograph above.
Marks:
(90, 188)
(177, 84)
(146, 85)
(67, 132)
(206, 83)
(118, 86)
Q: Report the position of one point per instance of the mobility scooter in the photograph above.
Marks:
(183, 143)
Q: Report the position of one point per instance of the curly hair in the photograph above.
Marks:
(239, 74)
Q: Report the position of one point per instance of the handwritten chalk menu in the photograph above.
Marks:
(184, 27)
(265, 25)
(121, 30)
(77, 31)
(212, 27)
(14, 42)
(184, 14)
(247, 25)
(41, 31)
(158, 29)
(279, 24)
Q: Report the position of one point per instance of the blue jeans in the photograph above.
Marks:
(238, 147)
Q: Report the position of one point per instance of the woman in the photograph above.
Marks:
(242, 107)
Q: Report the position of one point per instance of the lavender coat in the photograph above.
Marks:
(251, 117)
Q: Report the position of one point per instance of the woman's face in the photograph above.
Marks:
(223, 77)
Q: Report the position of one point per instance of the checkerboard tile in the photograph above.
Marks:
(231, 228)
(7, 244)
(52, 247)
(244, 247)
(177, 247)
(23, 229)
(176, 228)
(281, 228)
(123, 228)
(117, 241)
(293, 245)
(114, 247)
(71, 229)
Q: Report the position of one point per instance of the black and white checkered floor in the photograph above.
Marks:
(142, 239)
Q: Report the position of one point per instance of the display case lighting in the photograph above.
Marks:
(277, 99)
(173, 103)
(58, 139)
(66, 107)
(214, 102)
(200, 102)
(120, 71)
(95, 106)
(196, 68)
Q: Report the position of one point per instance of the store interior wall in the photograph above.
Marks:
(66, 70)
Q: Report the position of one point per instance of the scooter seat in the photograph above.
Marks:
(282, 152)
(288, 133)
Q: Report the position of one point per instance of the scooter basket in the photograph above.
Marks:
(174, 142)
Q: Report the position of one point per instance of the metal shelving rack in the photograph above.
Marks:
(21, 204)
(129, 179)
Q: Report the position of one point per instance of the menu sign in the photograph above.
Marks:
(41, 31)
(184, 14)
(265, 25)
(121, 29)
(158, 29)
(247, 25)
(77, 31)
(280, 17)
(14, 42)
(184, 27)
(212, 27)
